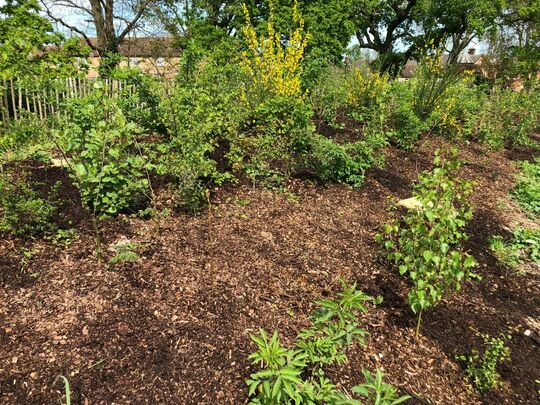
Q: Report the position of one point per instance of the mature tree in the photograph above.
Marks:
(518, 37)
(400, 29)
(457, 23)
(392, 28)
(111, 21)
(210, 21)
(29, 47)
(328, 23)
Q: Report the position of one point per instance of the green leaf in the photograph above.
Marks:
(428, 255)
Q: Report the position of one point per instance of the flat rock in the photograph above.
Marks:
(411, 204)
(58, 162)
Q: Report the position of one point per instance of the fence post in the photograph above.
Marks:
(5, 102)
(14, 104)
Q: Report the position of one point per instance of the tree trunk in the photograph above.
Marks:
(107, 42)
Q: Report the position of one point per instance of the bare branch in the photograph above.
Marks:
(71, 4)
(68, 26)
(135, 20)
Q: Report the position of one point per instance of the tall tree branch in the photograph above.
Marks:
(68, 26)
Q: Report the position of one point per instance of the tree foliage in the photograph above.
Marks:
(29, 46)
(398, 30)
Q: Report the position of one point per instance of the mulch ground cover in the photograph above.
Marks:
(174, 328)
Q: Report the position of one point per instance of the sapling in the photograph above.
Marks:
(425, 243)
(97, 144)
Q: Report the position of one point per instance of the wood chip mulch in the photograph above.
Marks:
(175, 327)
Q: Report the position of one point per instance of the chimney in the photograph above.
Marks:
(472, 51)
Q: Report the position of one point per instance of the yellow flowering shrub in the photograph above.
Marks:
(444, 117)
(432, 83)
(367, 89)
(273, 68)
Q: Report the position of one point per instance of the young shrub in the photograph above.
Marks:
(329, 97)
(334, 327)
(375, 391)
(367, 92)
(103, 154)
(403, 127)
(482, 367)
(507, 118)
(125, 253)
(199, 116)
(139, 98)
(425, 243)
(271, 68)
(297, 375)
(527, 189)
(343, 163)
(470, 99)
(22, 211)
(22, 137)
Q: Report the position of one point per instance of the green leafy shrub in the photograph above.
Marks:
(376, 392)
(405, 126)
(527, 189)
(425, 243)
(482, 367)
(402, 126)
(343, 163)
(125, 253)
(139, 98)
(199, 116)
(63, 237)
(23, 211)
(297, 375)
(330, 95)
(19, 133)
(508, 118)
(103, 154)
(522, 248)
(470, 100)
(276, 137)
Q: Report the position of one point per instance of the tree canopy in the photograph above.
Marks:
(30, 46)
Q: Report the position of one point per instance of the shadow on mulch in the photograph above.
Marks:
(391, 181)
(54, 183)
(522, 153)
(11, 273)
(346, 130)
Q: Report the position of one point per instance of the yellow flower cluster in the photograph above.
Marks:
(431, 61)
(447, 120)
(271, 66)
(367, 89)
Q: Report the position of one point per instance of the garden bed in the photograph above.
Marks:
(175, 326)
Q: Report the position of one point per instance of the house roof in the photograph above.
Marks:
(466, 60)
(142, 47)
(409, 68)
(463, 59)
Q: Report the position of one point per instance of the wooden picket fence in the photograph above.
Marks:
(19, 100)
